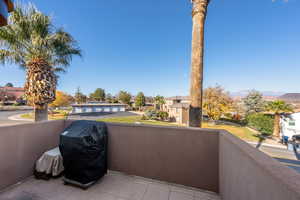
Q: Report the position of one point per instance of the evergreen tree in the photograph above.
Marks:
(140, 100)
(98, 95)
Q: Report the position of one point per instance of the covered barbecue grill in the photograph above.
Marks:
(83, 146)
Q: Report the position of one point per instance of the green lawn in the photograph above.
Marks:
(239, 131)
(136, 119)
(60, 114)
(242, 132)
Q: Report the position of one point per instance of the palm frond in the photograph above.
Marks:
(31, 35)
(10, 57)
(279, 106)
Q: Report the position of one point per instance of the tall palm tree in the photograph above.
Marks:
(196, 88)
(159, 101)
(277, 108)
(31, 41)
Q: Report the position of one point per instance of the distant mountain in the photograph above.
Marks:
(268, 94)
(290, 97)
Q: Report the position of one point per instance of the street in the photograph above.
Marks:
(4, 115)
(284, 156)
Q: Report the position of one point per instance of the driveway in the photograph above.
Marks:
(4, 117)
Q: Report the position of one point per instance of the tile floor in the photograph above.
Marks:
(114, 186)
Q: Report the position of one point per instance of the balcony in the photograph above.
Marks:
(149, 162)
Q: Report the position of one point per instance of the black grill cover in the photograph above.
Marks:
(83, 146)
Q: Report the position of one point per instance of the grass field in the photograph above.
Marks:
(242, 132)
(60, 114)
(136, 119)
(239, 131)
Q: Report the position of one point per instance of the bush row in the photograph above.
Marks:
(155, 115)
(261, 122)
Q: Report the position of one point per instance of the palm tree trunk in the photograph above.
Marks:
(40, 87)
(276, 131)
(196, 88)
(41, 113)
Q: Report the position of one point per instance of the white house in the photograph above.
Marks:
(97, 108)
(290, 125)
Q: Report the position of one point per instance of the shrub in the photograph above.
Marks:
(241, 122)
(261, 122)
(228, 115)
(155, 115)
(237, 117)
(151, 114)
(163, 115)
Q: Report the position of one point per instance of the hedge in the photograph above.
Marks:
(261, 122)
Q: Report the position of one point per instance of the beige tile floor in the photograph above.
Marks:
(114, 186)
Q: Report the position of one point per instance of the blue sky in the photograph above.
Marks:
(144, 45)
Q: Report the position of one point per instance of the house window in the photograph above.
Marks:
(292, 123)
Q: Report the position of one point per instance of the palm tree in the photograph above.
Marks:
(31, 41)
(196, 88)
(159, 101)
(277, 108)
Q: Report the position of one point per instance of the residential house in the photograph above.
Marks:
(98, 108)
(11, 94)
(177, 107)
(290, 125)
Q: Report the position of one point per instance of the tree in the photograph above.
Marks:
(31, 41)
(80, 97)
(62, 99)
(238, 110)
(278, 107)
(140, 100)
(216, 102)
(159, 100)
(115, 99)
(98, 95)
(109, 98)
(196, 88)
(124, 97)
(254, 102)
(163, 115)
(150, 99)
(9, 85)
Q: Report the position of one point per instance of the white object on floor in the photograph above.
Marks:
(51, 163)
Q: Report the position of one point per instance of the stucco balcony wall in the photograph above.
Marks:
(203, 158)
(22, 145)
(248, 174)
